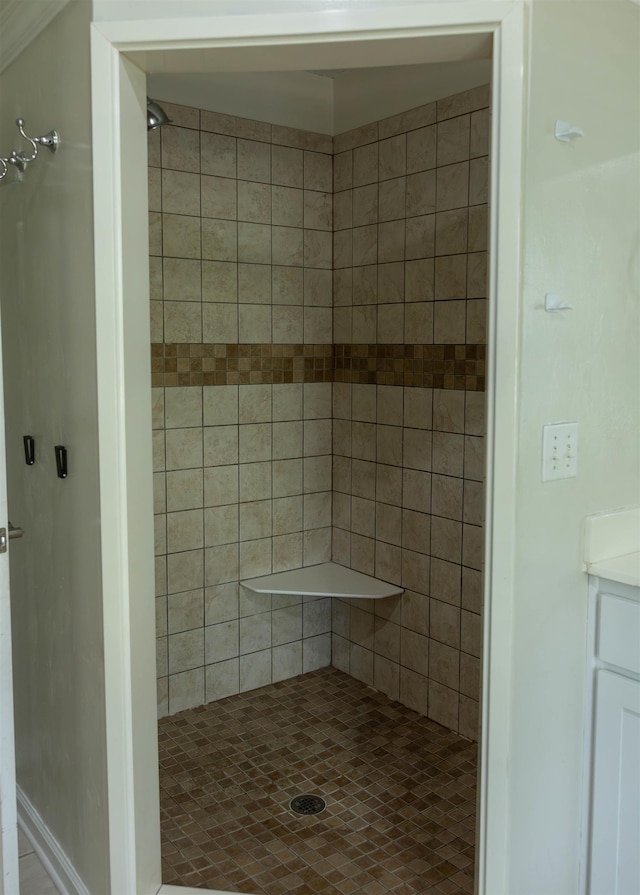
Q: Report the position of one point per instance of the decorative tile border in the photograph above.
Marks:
(428, 366)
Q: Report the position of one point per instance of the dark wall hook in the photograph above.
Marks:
(61, 460)
(29, 449)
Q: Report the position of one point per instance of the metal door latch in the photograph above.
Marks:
(13, 533)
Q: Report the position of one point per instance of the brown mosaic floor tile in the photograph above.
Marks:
(399, 790)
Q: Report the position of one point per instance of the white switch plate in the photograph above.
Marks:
(559, 451)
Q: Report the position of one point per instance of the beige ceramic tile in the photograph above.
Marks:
(155, 233)
(186, 690)
(420, 236)
(254, 243)
(286, 206)
(421, 193)
(453, 140)
(287, 552)
(391, 241)
(318, 171)
(343, 170)
(219, 197)
(180, 236)
(287, 285)
(222, 679)
(445, 581)
(180, 148)
(286, 625)
(219, 322)
(450, 277)
(448, 453)
(254, 323)
(419, 280)
(219, 281)
(254, 161)
(219, 240)
(416, 531)
(478, 228)
(449, 322)
(478, 181)
(452, 186)
(451, 231)
(254, 202)
(418, 323)
(477, 321)
(318, 287)
(391, 199)
(365, 164)
(392, 159)
(421, 149)
(446, 539)
(317, 325)
(318, 210)
(185, 571)
(287, 246)
(180, 193)
(343, 248)
(317, 249)
(391, 282)
(444, 623)
(343, 209)
(254, 283)
(443, 705)
(220, 485)
(287, 166)
(184, 448)
(182, 279)
(218, 155)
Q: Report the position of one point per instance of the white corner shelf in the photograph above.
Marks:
(326, 579)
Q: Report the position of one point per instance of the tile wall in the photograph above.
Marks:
(410, 273)
(274, 385)
(241, 328)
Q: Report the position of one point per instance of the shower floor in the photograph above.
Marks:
(400, 794)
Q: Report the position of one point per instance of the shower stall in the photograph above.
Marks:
(318, 307)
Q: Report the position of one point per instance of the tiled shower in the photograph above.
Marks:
(318, 339)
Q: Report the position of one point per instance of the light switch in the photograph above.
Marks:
(559, 451)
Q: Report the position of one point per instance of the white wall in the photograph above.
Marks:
(48, 323)
(581, 240)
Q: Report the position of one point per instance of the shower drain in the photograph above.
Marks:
(307, 804)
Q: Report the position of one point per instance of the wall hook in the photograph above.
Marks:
(61, 461)
(29, 449)
(566, 132)
(553, 302)
(20, 160)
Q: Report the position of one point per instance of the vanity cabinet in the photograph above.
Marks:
(614, 815)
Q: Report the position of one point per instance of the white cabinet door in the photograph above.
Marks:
(615, 825)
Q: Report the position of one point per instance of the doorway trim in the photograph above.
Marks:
(124, 405)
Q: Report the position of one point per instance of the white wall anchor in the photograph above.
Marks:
(566, 132)
(553, 302)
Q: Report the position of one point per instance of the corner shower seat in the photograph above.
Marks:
(327, 579)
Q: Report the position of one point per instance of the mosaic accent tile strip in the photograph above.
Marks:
(429, 366)
(239, 364)
(399, 790)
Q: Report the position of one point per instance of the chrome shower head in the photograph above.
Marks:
(156, 115)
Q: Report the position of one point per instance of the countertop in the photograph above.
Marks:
(625, 569)
(612, 545)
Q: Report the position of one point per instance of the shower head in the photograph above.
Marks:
(156, 115)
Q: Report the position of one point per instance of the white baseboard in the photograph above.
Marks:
(48, 849)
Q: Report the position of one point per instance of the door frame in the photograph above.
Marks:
(124, 405)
